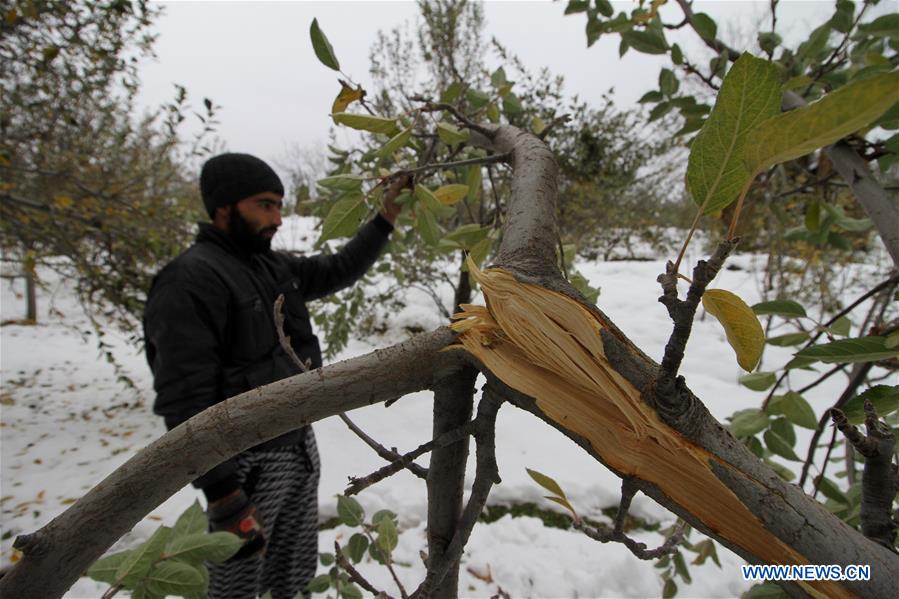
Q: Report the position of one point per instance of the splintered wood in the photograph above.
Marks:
(548, 347)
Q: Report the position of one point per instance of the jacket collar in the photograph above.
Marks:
(209, 233)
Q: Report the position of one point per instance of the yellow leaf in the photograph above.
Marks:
(450, 194)
(741, 325)
(62, 201)
(347, 96)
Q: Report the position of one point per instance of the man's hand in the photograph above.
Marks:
(235, 514)
(390, 209)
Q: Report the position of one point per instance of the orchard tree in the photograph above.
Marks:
(87, 188)
(545, 348)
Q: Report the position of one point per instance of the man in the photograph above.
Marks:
(210, 335)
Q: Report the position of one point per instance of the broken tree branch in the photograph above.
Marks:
(52, 563)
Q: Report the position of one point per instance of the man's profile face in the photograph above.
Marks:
(253, 221)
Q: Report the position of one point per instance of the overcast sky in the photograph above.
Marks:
(255, 59)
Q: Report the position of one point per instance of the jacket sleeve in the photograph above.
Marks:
(323, 275)
(184, 328)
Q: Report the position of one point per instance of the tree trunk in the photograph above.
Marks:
(30, 296)
(453, 402)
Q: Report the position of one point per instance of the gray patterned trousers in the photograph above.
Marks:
(283, 484)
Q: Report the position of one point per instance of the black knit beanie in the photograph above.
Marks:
(228, 178)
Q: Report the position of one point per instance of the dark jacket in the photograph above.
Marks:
(209, 326)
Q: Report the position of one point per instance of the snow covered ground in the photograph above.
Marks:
(65, 423)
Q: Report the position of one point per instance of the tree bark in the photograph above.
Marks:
(56, 555)
(453, 403)
(30, 296)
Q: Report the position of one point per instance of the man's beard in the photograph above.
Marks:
(245, 237)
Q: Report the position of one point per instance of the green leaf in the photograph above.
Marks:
(537, 125)
(387, 535)
(864, 349)
(842, 19)
(350, 591)
(319, 584)
(511, 105)
(778, 446)
(136, 565)
(892, 340)
(758, 381)
(887, 26)
(677, 55)
(396, 142)
(669, 589)
(802, 363)
(680, 566)
(427, 227)
(604, 7)
(366, 122)
(192, 520)
(816, 43)
(821, 123)
(580, 282)
(768, 41)
(344, 217)
(382, 515)
(652, 96)
(468, 235)
(356, 547)
(493, 112)
(350, 511)
(547, 483)
(327, 559)
(498, 78)
(747, 423)
(104, 569)
(786, 308)
(668, 82)
(473, 180)
(741, 325)
(649, 41)
(171, 577)
(199, 547)
(784, 429)
(885, 399)
(794, 407)
(344, 182)
(322, 47)
(788, 340)
(477, 99)
(705, 26)
(832, 491)
(481, 250)
(452, 92)
(841, 327)
(749, 95)
(450, 134)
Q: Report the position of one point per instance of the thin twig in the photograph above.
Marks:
(283, 339)
(354, 574)
(435, 107)
(382, 451)
(493, 158)
(453, 436)
(604, 534)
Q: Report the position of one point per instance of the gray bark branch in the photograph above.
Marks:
(52, 562)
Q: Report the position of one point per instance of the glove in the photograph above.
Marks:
(235, 513)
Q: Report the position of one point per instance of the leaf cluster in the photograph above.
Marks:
(171, 561)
